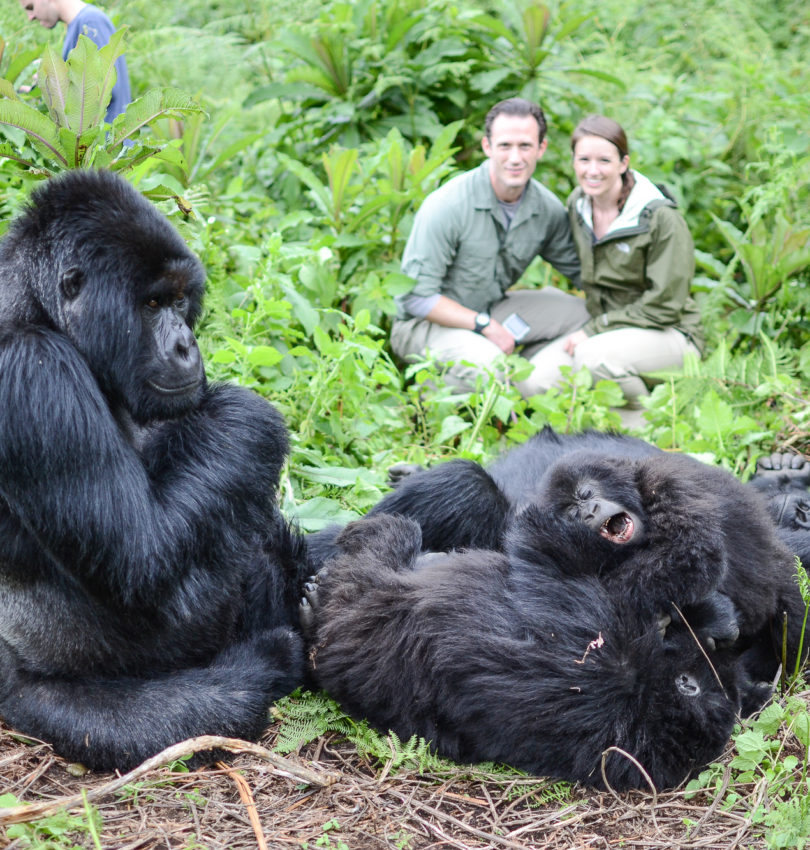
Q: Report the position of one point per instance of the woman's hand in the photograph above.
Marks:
(573, 341)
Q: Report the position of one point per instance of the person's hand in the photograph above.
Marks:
(497, 333)
(570, 344)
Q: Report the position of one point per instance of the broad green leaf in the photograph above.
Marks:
(571, 24)
(319, 512)
(339, 167)
(223, 355)
(487, 81)
(20, 61)
(150, 106)
(302, 309)
(497, 26)
(715, 416)
(451, 426)
(53, 83)
(308, 177)
(91, 77)
(535, 27)
(38, 127)
(264, 355)
(7, 90)
(338, 476)
(289, 91)
(8, 151)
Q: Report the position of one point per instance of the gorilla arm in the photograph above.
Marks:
(79, 488)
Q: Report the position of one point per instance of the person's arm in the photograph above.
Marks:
(428, 255)
(451, 314)
(559, 249)
(668, 275)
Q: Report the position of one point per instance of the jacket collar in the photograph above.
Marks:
(634, 216)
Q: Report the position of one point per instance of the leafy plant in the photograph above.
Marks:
(307, 716)
(74, 134)
(769, 780)
(55, 832)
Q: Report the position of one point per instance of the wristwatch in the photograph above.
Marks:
(481, 321)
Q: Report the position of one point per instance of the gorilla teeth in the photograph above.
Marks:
(618, 529)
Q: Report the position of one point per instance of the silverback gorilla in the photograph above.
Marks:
(148, 582)
(495, 658)
(568, 539)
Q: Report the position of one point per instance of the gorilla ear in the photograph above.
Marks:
(71, 282)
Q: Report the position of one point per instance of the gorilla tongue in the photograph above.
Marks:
(618, 529)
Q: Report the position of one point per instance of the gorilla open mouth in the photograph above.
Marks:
(618, 529)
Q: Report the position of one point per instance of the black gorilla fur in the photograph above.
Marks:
(510, 659)
(700, 539)
(148, 582)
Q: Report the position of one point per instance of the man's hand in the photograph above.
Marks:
(495, 332)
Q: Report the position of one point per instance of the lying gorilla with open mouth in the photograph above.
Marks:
(506, 657)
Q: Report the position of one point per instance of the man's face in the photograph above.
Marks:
(513, 148)
(41, 10)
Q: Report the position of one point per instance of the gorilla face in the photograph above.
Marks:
(599, 494)
(607, 518)
(172, 376)
(128, 295)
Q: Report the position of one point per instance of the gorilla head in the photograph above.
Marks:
(598, 493)
(101, 266)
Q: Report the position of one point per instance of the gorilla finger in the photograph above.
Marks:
(307, 618)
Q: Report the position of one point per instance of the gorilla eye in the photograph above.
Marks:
(585, 493)
(153, 303)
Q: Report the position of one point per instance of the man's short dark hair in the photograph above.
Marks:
(516, 106)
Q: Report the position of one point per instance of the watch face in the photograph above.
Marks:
(481, 321)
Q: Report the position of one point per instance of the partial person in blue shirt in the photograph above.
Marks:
(83, 19)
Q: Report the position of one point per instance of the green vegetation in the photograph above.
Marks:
(59, 831)
(292, 145)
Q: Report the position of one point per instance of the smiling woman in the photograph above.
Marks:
(637, 261)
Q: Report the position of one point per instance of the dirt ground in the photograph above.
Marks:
(340, 801)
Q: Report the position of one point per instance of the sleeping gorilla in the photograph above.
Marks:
(147, 580)
(659, 530)
(508, 658)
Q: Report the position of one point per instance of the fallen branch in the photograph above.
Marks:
(250, 804)
(281, 766)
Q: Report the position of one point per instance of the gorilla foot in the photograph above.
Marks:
(309, 604)
(786, 465)
(754, 696)
(400, 471)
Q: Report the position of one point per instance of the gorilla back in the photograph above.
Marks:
(147, 581)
